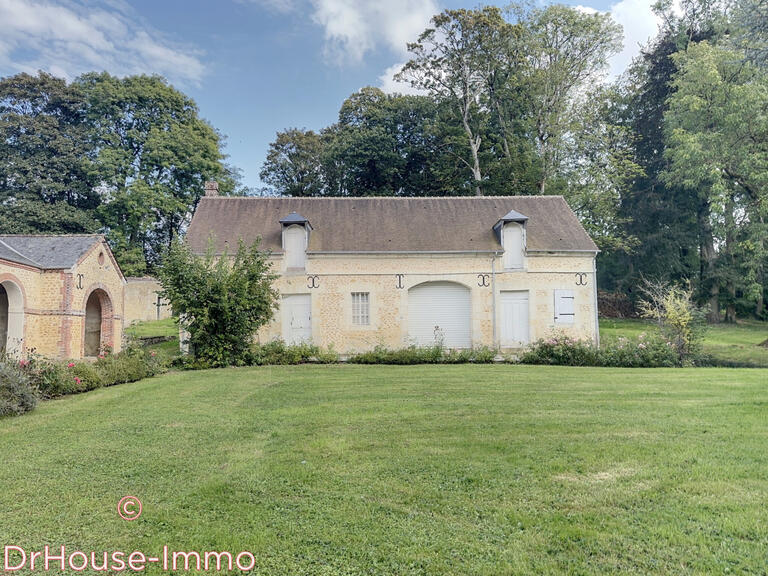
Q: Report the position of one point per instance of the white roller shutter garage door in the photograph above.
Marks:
(438, 309)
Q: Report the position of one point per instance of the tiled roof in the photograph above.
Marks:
(387, 224)
(46, 251)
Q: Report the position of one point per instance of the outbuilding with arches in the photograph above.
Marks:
(60, 296)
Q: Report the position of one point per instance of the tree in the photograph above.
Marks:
(717, 147)
(448, 62)
(152, 154)
(598, 168)
(46, 169)
(566, 49)
(222, 301)
(751, 19)
(293, 165)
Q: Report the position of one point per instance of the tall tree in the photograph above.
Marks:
(448, 62)
(293, 165)
(717, 146)
(153, 153)
(598, 168)
(566, 49)
(46, 169)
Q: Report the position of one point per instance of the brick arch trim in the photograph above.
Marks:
(8, 277)
(106, 300)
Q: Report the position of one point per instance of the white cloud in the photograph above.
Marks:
(355, 27)
(69, 38)
(639, 23)
(388, 83)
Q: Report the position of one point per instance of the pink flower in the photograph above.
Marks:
(101, 355)
(153, 353)
(71, 365)
(77, 380)
(23, 363)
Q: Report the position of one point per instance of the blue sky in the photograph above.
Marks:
(253, 66)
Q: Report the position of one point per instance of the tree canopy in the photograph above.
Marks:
(125, 156)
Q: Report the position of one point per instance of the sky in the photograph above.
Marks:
(254, 67)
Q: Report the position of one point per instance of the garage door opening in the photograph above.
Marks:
(440, 312)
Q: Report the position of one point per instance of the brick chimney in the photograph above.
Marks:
(211, 188)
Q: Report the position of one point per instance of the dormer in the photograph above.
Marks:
(296, 231)
(510, 231)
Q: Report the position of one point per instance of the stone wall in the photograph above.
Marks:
(388, 278)
(141, 301)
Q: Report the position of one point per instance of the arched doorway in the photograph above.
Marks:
(11, 318)
(98, 323)
(440, 312)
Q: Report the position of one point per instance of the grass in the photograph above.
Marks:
(166, 328)
(406, 470)
(735, 344)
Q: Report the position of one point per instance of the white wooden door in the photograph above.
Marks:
(297, 318)
(514, 319)
(440, 311)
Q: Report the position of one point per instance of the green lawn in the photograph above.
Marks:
(732, 343)
(166, 328)
(406, 470)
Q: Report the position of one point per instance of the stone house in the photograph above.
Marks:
(60, 296)
(465, 271)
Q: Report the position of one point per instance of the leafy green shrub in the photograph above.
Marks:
(681, 322)
(129, 365)
(561, 350)
(51, 379)
(278, 352)
(222, 301)
(86, 377)
(424, 355)
(17, 394)
(643, 352)
(409, 355)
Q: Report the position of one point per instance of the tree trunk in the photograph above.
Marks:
(474, 146)
(503, 126)
(730, 286)
(709, 283)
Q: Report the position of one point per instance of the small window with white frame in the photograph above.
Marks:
(361, 308)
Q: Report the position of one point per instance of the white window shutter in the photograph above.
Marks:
(565, 307)
(512, 242)
(295, 246)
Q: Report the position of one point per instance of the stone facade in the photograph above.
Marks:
(141, 301)
(46, 308)
(387, 279)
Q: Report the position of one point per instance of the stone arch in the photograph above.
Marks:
(11, 315)
(98, 321)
